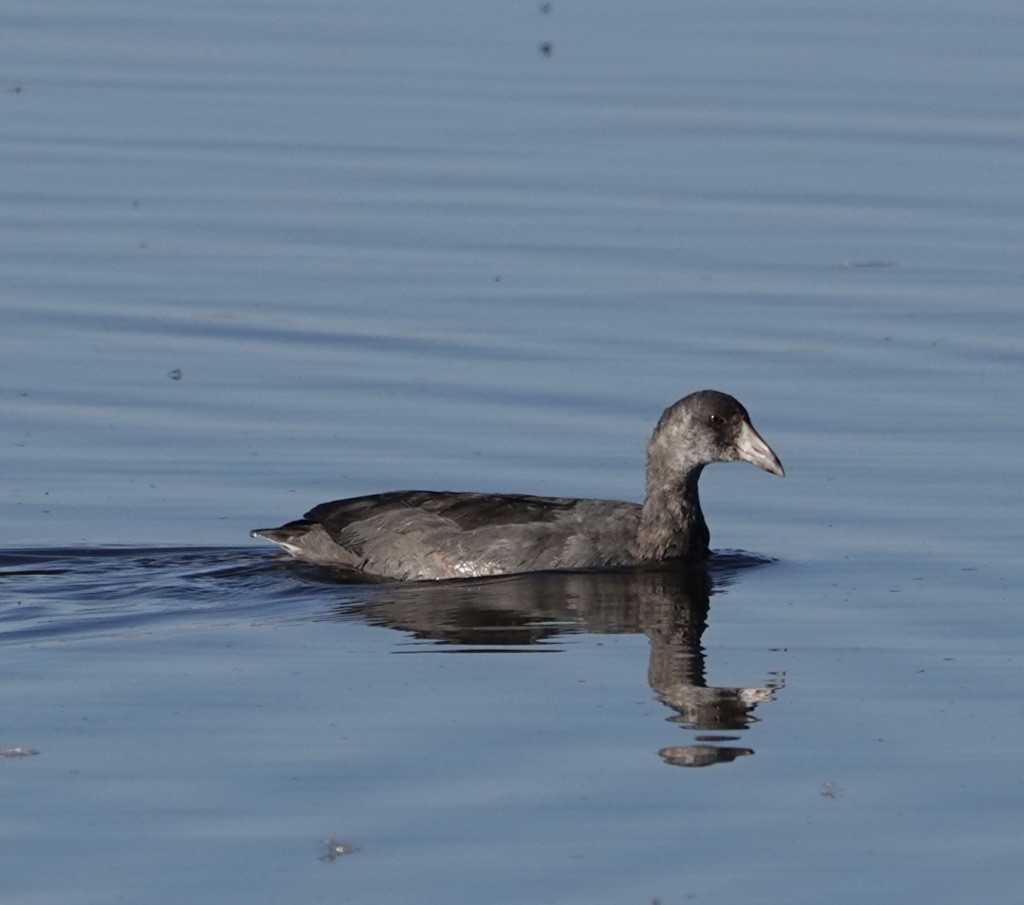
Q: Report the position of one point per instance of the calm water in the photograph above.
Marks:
(259, 255)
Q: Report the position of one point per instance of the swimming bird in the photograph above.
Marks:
(422, 534)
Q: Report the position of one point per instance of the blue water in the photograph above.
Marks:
(260, 255)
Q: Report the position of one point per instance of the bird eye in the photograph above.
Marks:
(716, 420)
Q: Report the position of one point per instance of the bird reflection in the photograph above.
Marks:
(668, 603)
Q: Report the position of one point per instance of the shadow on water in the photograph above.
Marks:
(78, 593)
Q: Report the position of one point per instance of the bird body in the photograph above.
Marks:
(418, 534)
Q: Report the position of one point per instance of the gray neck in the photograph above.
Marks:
(671, 522)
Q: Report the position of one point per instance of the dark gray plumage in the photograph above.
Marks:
(420, 534)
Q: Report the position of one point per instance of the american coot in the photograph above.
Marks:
(422, 534)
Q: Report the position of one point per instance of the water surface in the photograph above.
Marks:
(258, 256)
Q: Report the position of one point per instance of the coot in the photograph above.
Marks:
(422, 534)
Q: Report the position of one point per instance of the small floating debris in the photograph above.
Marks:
(829, 789)
(336, 850)
(546, 48)
(17, 752)
(174, 373)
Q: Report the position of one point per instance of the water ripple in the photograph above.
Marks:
(51, 594)
(69, 593)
